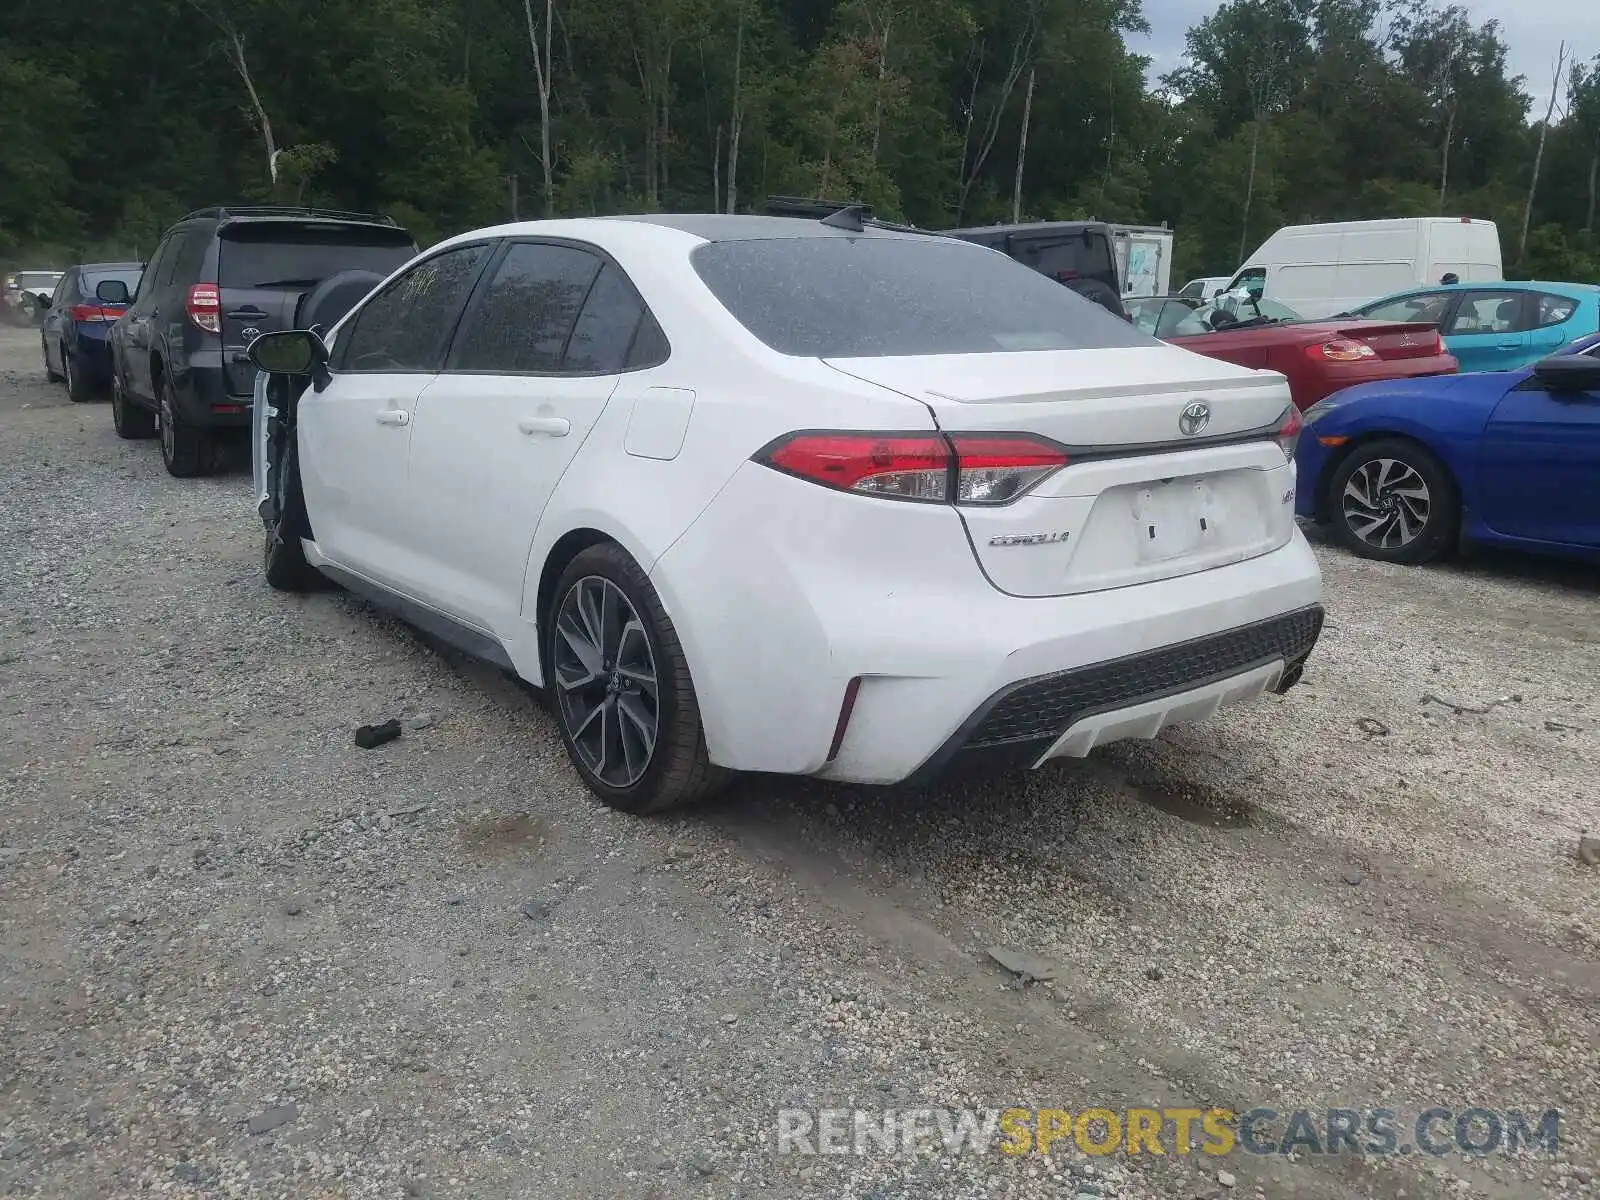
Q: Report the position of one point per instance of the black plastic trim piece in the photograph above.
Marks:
(1288, 638)
(413, 612)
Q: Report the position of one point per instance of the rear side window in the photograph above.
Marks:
(189, 255)
(406, 325)
(1553, 310)
(128, 275)
(527, 312)
(1490, 312)
(268, 254)
(606, 327)
(868, 297)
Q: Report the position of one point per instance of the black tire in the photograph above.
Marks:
(131, 421)
(1397, 464)
(78, 389)
(283, 558)
(678, 770)
(186, 451)
(50, 372)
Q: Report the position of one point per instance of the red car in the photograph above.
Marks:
(1317, 357)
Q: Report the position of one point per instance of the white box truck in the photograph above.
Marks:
(1144, 259)
(1322, 270)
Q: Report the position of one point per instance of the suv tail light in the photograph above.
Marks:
(204, 305)
(1342, 350)
(94, 314)
(1288, 436)
(933, 468)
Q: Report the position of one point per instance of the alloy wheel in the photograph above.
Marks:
(1386, 503)
(605, 679)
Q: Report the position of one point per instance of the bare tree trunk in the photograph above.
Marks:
(233, 49)
(542, 64)
(736, 115)
(516, 208)
(1021, 53)
(1022, 150)
(716, 170)
(1111, 133)
(652, 132)
(1594, 178)
(883, 75)
(1249, 189)
(1444, 162)
(1538, 155)
(966, 132)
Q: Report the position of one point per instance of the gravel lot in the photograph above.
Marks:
(241, 957)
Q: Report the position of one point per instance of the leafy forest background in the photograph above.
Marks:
(448, 114)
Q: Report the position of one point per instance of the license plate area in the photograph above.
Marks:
(1177, 518)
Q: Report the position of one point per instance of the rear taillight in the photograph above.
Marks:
(961, 468)
(1288, 436)
(1342, 350)
(94, 314)
(204, 305)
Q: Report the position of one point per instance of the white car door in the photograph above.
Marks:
(539, 353)
(355, 434)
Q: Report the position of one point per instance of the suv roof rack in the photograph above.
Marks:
(835, 213)
(225, 211)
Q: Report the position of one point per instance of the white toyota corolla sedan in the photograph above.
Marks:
(752, 493)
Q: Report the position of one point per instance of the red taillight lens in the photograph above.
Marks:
(1288, 436)
(1342, 350)
(965, 468)
(996, 468)
(94, 314)
(205, 307)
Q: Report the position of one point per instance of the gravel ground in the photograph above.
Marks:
(241, 957)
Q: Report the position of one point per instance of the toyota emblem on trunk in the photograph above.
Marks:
(1194, 418)
(250, 335)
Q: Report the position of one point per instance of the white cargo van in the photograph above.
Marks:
(1321, 270)
(1144, 258)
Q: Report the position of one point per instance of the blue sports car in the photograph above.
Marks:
(1404, 468)
(1501, 326)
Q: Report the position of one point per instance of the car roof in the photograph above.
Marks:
(109, 266)
(728, 227)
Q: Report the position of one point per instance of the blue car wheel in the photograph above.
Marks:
(1393, 500)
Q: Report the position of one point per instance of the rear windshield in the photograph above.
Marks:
(872, 297)
(272, 255)
(128, 275)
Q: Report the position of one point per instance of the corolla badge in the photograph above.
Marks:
(1194, 418)
(1028, 539)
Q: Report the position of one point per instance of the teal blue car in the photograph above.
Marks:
(1502, 326)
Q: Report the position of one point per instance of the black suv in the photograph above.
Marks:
(1076, 253)
(218, 279)
(1067, 251)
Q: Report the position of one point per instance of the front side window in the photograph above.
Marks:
(527, 312)
(1253, 278)
(406, 325)
(1425, 306)
(868, 297)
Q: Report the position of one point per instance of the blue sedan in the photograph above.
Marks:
(1403, 469)
(73, 338)
(1497, 326)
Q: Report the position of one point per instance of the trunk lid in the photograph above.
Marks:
(266, 267)
(1145, 495)
(1394, 340)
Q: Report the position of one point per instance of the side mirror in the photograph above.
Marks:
(111, 291)
(44, 301)
(290, 352)
(1568, 373)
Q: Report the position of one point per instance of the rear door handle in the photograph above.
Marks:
(247, 314)
(393, 416)
(554, 426)
(1510, 345)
